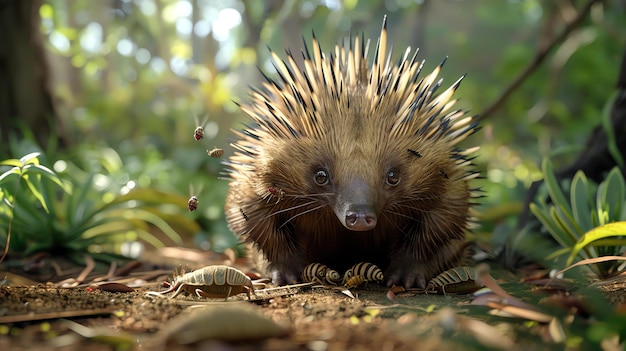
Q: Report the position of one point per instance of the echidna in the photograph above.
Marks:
(349, 162)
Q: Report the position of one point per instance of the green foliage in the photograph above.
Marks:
(134, 80)
(591, 223)
(46, 211)
(610, 132)
(28, 170)
(614, 326)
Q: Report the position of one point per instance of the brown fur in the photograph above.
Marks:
(357, 124)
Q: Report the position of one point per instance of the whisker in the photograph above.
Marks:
(414, 206)
(395, 223)
(303, 196)
(268, 197)
(262, 220)
(290, 208)
(399, 214)
(418, 198)
(421, 197)
(300, 214)
(411, 208)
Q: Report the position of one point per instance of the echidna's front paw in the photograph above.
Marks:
(281, 277)
(406, 272)
(287, 272)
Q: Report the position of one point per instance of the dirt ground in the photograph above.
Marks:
(82, 316)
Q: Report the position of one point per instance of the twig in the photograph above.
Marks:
(29, 317)
(592, 261)
(90, 265)
(107, 276)
(540, 56)
(6, 248)
(284, 287)
(74, 282)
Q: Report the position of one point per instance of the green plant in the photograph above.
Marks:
(28, 172)
(591, 224)
(52, 212)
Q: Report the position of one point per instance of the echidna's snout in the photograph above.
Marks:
(360, 218)
(354, 207)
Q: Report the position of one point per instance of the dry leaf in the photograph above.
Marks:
(555, 328)
(519, 312)
(486, 334)
(233, 322)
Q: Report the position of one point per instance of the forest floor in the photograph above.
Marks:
(70, 312)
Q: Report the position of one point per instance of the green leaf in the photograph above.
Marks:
(611, 243)
(30, 158)
(595, 217)
(613, 194)
(611, 230)
(36, 247)
(566, 228)
(141, 234)
(603, 217)
(136, 213)
(580, 202)
(11, 162)
(4, 177)
(110, 160)
(149, 195)
(113, 226)
(35, 190)
(78, 231)
(49, 195)
(569, 224)
(79, 209)
(149, 238)
(614, 150)
(558, 253)
(557, 233)
(552, 185)
(175, 219)
(29, 215)
(47, 173)
(107, 257)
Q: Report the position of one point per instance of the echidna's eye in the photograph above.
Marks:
(321, 177)
(393, 177)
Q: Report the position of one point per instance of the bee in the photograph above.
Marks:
(192, 204)
(215, 152)
(198, 133)
(354, 282)
(369, 272)
(276, 191)
(319, 273)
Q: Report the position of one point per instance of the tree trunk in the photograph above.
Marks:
(25, 97)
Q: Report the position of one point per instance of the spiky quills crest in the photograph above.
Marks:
(297, 106)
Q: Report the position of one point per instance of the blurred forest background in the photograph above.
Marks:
(109, 91)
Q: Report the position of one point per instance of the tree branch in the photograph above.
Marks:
(540, 56)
